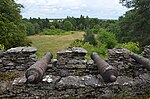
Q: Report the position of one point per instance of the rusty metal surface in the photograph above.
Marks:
(144, 61)
(108, 73)
(36, 72)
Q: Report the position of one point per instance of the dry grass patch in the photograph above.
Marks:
(53, 43)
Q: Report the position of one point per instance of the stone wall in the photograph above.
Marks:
(19, 58)
(125, 65)
(71, 62)
(146, 52)
(72, 75)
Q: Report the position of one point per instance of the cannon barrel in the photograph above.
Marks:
(35, 73)
(144, 61)
(108, 73)
(1, 54)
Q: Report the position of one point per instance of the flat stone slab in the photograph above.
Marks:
(73, 50)
(22, 49)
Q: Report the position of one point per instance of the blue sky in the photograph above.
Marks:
(102, 9)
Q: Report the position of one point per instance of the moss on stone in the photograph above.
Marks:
(9, 76)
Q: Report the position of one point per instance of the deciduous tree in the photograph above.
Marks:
(12, 29)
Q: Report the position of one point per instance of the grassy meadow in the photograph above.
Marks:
(53, 43)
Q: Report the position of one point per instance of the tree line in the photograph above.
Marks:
(133, 26)
(36, 25)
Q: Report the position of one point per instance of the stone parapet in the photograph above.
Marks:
(71, 75)
(19, 58)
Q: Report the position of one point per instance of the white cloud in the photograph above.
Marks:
(62, 8)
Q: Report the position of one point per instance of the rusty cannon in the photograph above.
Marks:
(142, 60)
(35, 73)
(108, 73)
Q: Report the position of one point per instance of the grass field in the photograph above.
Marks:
(53, 43)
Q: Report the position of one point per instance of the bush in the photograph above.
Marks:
(55, 32)
(134, 47)
(52, 27)
(86, 45)
(68, 26)
(101, 50)
(2, 48)
(107, 38)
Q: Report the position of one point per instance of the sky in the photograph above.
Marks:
(102, 9)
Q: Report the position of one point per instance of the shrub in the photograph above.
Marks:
(107, 38)
(68, 26)
(52, 27)
(2, 48)
(55, 32)
(86, 45)
(134, 47)
(101, 50)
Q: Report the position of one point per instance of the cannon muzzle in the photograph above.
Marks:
(36, 72)
(144, 61)
(108, 73)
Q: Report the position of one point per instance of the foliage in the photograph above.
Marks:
(85, 45)
(89, 37)
(134, 25)
(101, 50)
(37, 27)
(34, 26)
(30, 29)
(55, 32)
(11, 25)
(72, 24)
(68, 26)
(134, 47)
(147, 91)
(52, 27)
(2, 48)
(106, 38)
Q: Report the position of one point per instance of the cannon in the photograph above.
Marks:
(35, 73)
(144, 61)
(108, 73)
(1, 54)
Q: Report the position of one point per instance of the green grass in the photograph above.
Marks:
(53, 43)
(55, 32)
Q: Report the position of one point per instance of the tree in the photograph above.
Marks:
(68, 26)
(46, 24)
(89, 37)
(73, 21)
(134, 25)
(37, 28)
(12, 29)
(30, 29)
